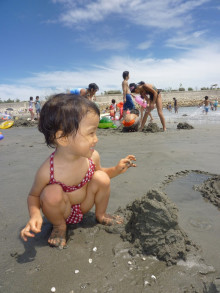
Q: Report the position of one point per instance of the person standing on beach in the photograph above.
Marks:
(113, 109)
(88, 92)
(206, 104)
(175, 105)
(215, 104)
(37, 107)
(71, 180)
(31, 108)
(128, 103)
(145, 89)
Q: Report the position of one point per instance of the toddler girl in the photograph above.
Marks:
(71, 180)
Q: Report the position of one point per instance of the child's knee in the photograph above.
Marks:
(52, 194)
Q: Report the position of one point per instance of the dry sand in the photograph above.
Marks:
(162, 246)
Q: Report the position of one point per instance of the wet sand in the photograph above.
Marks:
(119, 264)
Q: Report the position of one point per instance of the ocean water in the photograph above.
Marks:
(194, 115)
(197, 216)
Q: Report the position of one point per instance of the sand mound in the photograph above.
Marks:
(152, 225)
(184, 125)
(23, 122)
(152, 127)
(210, 189)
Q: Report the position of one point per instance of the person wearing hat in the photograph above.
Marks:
(88, 92)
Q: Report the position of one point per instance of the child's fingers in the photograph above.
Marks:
(129, 163)
(36, 228)
(129, 160)
(131, 157)
(28, 234)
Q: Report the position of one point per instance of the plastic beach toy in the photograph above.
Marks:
(141, 101)
(106, 122)
(6, 124)
(1, 136)
(6, 117)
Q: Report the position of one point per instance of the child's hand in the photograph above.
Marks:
(33, 225)
(126, 163)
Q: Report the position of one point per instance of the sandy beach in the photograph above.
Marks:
(169, 242)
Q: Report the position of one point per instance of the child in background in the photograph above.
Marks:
(215, 104)
(131, 121)
(128, 103)
(206, 104)
(113, 109)
(31, 108)
(61, 188)
(37, 107)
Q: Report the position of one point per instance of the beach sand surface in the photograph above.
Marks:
(98, 259)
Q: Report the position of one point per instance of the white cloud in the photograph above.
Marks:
(187, 40)
(100, 44)
(163, 14)
(144, 45)
(195, 68)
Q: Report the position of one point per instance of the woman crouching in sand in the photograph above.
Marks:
(145, 89)
(71, 180)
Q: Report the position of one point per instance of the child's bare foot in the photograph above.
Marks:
(110, 220)
(58, 236)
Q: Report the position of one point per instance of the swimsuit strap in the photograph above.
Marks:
(66, 188)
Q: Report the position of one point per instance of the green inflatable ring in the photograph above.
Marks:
(106, 122)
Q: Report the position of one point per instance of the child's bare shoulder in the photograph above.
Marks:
(95, 157)
(44, 171)
(96, 160)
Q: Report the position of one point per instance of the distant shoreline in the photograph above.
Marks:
(184, 98)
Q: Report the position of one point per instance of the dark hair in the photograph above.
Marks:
(125, 74)
(63, 112)
(135, 111)
(37, 97)
(206, 97)
(141, 83)
(31, 98)
(132, 87)
(113, 101)
(93, 86)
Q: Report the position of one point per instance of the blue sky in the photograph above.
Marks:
(49, 46)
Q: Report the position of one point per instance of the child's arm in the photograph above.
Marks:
(120, 168)
(35, 222)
